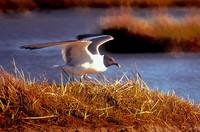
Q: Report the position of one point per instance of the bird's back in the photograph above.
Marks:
(76, 55)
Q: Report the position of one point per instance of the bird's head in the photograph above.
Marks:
(109, 61)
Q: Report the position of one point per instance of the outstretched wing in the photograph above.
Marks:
(73, 52)
(97, 41)
(76, 54)
(45, 45)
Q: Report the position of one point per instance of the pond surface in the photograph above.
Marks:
(167, 72)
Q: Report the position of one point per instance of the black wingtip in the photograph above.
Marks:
(26, 47)
(22, 47)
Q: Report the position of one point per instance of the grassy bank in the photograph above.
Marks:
(160, 33)
(129, 105)
(24, 5)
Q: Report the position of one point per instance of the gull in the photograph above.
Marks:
(82, 56)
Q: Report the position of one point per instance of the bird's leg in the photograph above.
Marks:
(85, 77)
(99, 76)
(66, 75)
(69, 77)
(72, 78)
(88, 78)
(82, 78)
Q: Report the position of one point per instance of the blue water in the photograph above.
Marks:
(166, 72)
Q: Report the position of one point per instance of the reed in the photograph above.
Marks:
(24, 5)
(176, 34)
(87, 106)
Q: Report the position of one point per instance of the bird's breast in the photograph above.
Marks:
(94, 67)
(97, 65)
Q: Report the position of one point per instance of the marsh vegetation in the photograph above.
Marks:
(121, 105)
(27, 5)
(158, 33)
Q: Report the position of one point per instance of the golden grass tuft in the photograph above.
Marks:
(129, 105)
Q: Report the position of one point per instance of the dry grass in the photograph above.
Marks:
(128, 105)
(23, 5)
(180, 33)
(159, 26)
(17, 5)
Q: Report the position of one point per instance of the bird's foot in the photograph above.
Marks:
(88, 78)
(68, 77)
(85, 77)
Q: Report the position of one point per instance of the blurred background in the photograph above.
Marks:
(159, 39)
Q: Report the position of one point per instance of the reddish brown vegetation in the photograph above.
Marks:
(17, 5)
(22, 5)
(161, 33)
(89, 106)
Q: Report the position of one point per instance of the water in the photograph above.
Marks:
(166, 72)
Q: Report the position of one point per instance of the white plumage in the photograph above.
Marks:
(81, 56)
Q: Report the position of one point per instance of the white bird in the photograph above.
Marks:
(81, 56)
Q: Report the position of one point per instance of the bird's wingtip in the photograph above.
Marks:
(23, 47)
(111, 37)
(26, 47)
(84, 36)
